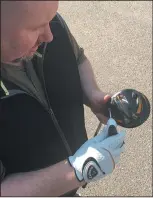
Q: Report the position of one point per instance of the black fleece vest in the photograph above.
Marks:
(29, 139)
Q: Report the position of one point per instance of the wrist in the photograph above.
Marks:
(78, 173)
(90, 97)
(95, 93)
(82, 181)
(96, 98)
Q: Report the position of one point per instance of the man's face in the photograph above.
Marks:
(24, 25)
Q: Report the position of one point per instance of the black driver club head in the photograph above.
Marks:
(129, 108)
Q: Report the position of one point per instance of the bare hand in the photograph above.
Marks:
(98, 105)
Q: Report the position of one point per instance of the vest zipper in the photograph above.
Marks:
(53, 117)
(51, 113)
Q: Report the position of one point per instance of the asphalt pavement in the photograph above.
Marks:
(117, 39)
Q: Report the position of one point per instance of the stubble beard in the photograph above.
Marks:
(24, 58)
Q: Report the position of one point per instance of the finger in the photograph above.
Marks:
(118, 151)
(117, 159)
(117, 154)
(106, 98)
(103, 134)
(114, 142)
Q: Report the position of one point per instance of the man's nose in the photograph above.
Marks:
(46, 35)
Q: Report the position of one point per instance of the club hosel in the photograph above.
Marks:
(111, 121)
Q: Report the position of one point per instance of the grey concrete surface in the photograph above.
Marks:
(116, 37)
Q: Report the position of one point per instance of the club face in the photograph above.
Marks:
(130, 108)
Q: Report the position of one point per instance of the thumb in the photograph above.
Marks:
(107, 98)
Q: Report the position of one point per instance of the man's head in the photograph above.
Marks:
(24, 25)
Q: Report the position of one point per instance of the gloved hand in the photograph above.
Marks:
(98, 156)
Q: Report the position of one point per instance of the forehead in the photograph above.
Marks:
(33, 8)
(34, 12)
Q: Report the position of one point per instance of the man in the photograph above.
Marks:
(45, 80)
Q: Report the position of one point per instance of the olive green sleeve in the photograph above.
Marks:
(78, 51)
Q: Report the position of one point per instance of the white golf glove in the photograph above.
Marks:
(98, 156)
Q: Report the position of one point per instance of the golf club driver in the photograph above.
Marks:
(129, 108)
